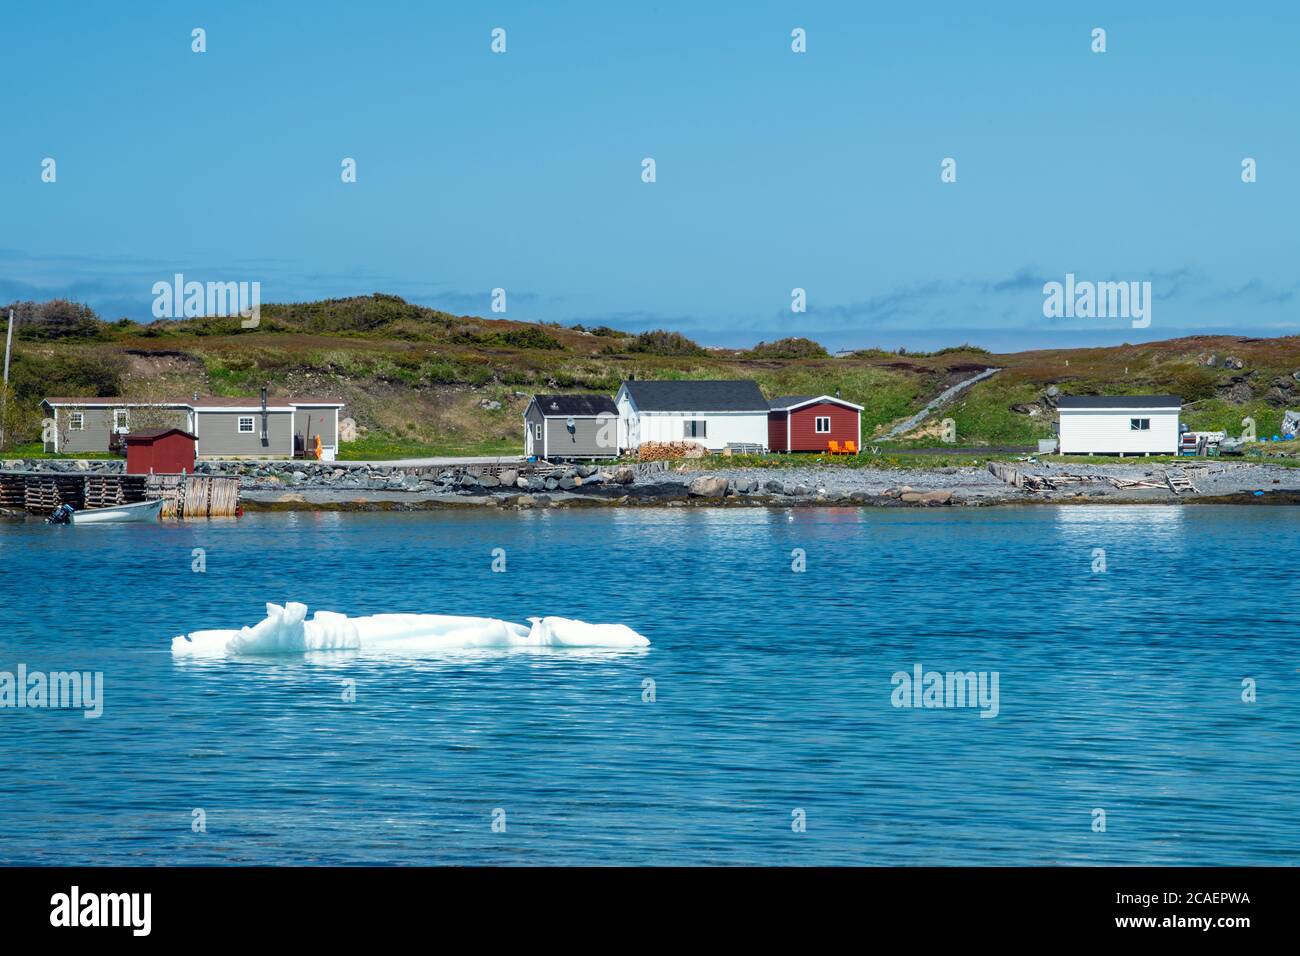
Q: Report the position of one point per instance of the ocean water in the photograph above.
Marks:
(773, 690)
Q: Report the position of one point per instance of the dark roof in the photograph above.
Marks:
(783, 402)
(212, 401)
(578, 406)
(1119, 401)
(728, 396)
(132, 438)
(786, 401)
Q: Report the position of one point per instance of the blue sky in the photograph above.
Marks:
(775, 170)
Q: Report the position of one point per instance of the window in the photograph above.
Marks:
(245, 424)
(694, 428)
(121, 420)
(76, 421)
(1139, 424)
(822, 425)
(537, 432)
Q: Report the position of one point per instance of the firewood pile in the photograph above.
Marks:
(664, 450)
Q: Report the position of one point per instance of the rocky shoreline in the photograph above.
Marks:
(311, 485)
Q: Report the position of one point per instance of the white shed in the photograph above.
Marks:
(713, 413)
(1119, 424)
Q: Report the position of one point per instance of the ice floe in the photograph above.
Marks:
(288, 630)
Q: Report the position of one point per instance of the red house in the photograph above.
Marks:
(168, 451)
(812, 422)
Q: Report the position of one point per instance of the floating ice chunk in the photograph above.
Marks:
(285, 630)
(436, 632)
(203, 643)
(565, 632)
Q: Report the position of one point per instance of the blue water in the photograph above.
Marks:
(1118, 690)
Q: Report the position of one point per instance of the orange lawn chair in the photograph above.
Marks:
(834, 447)
(850, 448)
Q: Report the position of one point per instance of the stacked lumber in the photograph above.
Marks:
(665, 450)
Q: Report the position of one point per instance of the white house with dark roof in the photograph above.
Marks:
(715, 414)
(1119, 424)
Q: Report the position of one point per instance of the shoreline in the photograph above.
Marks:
(504, 503)
(311, 486)
(699, 484)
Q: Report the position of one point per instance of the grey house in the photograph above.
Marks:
(226, 427)
(571, 426)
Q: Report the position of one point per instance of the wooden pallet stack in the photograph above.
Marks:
(42, 494)
(103, 491)
(13, 492)
(192, 496)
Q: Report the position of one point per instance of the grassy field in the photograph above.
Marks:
(375, 447)
(37, 450)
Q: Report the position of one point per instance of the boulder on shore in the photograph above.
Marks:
(927, 497)
(707, 486)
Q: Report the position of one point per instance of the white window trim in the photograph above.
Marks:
(76, 421)
(1139, 424)
(126, 414)
(702, 430)
(817, 425)
(537, 431)
(239, 425)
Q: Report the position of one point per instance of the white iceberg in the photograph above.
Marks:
(287, 630)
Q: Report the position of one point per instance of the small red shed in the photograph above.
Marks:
(812, 422)
(167, 451)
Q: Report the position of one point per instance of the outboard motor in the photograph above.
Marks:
(62, 515)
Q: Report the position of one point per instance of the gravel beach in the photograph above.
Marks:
(302, 485)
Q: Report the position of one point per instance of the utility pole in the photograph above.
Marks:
(4, 391)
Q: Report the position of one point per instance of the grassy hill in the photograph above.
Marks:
(420, 381)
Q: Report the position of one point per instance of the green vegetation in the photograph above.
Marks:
(660, 342)
(378, 448)
(791, 348)
(55, 320)
(900, 462)
(420, 382)
(37, 450)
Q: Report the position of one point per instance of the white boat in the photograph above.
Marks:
(139, 511)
